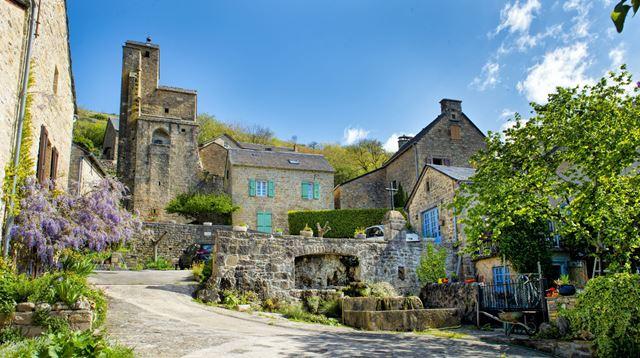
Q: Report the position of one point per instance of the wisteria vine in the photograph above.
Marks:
(51, 220)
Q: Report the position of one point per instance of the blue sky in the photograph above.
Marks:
(338, 71)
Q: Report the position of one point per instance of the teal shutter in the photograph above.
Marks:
(272, 189)
(316, 190)
(252, 187)
(264, 222)
(304, 190)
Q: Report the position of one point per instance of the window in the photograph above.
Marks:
(310, 190)
(166, 110)
(440, 161)
(454, 132)
(261, 188)
(147, 54)
(160, 136)
(430, 225)
(56, 74)
(394, 184)
(428, 185)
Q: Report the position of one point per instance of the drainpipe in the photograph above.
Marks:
(21, 111)
(415, 151)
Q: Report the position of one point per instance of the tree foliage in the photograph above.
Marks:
(203, 207)
(368, 153)
(574, 163)
(432, 265)
(620, 11)
(89, 129)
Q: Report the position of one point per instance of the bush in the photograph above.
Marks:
(609, 308)
(297, 313)
(160, 264)
(230, 299)
(357, 289)
(214, 208)
(312, 304)
(382, 290)
(10, 334)
(271, 304)
(197, 269)
(331, 308)
(343, 222)
(432, 264)
(77, 263)
(207, 271)
(70, 289)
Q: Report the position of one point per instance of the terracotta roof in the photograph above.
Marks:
(280, 160)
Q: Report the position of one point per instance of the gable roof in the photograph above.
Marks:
(115, 123)
(279, 160)
(459, 174)
(95, 162)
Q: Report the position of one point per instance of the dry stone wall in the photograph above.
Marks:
(462, 296)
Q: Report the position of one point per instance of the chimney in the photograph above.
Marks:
(402, 140)
(450, 105)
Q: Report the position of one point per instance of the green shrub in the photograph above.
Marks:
(296, 312)
(357, 289)
(43, 290)
(99, 303)
(331, 308)
(271, 304)
(609, 308)
(77, 263)
(344, 222)
(82, 344)
(70, 289)
(382, 290)
(197, 269)
(230, 299)
(200, 207)
(7, 293)
(51, 324)
(160, 264)
(23, 288)
(432, 264)
(312, 304)
(10, 334)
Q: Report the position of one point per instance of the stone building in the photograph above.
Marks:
(450, 139)
(85, 170)
(158, 151)
(53, 98)
(110, 140)
(266, 185)
(429, 214)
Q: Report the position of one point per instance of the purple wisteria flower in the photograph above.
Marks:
(51, 221)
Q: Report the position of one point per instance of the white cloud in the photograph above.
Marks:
(391, 145)
(564, 66)
(354, 135)
(617, 56)
(581, 21)
(489, 77)
(516, 17)
(527, 41)
(507, 113)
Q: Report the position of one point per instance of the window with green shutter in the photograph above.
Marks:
(316, 190)
(264, 222)
(272, 189)
(252, 187)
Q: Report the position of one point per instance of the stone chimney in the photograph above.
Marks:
(402, 140)
(450, 105)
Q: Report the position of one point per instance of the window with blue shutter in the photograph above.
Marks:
(501, 278)
(430, 225)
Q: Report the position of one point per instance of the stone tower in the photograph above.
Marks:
(158, 149)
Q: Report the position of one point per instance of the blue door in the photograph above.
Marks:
(430, 225)
(501, 278)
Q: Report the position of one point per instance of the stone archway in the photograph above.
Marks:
(328, 270)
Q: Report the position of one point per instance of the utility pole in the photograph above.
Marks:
(392, 191)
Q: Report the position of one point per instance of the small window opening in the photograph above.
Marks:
(293, 161)
(428, 186)
(166, 109)
(183, 130)
(437, 161)
(147, 54)
(401, 273)
(56, 74)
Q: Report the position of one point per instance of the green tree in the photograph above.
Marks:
(89, 132)
(620, 11)
(201, 208)
(368, 153)
(574, 163)
(432, 265)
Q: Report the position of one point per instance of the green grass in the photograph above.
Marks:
(444, 333)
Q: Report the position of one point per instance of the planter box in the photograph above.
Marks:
(240, 228)
(306, 233)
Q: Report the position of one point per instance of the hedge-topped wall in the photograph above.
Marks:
(343, 222)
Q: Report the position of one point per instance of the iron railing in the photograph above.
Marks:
(513, 295)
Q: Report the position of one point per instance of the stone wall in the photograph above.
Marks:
(53, 104)
(266, 264)
(79, 317)
(83, 173)
(462, 296)
(287, 194)
(367, 191)
(554, 304)
(213, 157)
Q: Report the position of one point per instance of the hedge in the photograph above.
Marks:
(343, 222)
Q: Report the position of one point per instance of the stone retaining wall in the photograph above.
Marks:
(452, 295)
(79, 317)
(560, 302)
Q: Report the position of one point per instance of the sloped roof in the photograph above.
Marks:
(459, 174)
(115, 122)
(456, 173)
(280, 160)
(254, 146)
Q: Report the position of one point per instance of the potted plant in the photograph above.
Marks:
(359, 233)
(241, 227)
(565, 288)
(307, 231)
(279, 232)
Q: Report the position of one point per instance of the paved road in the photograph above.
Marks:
(153, 312)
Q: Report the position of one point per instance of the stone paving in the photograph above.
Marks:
(153, 312)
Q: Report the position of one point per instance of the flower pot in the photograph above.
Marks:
(305, 233)
(361, 236)
(567, 290)
(278, 233)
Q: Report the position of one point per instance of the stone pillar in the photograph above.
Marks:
(394, 226)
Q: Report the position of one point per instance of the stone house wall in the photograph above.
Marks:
(82, 172)
(110, 142)
(367, 191)
(484, 268)
(213, 157)
(287, 196)
(53, 103)
(439, 192)
(404, 170)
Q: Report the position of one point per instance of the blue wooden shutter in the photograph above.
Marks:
(436, 225)
(252, 187)
(316, 190)
(272, 189)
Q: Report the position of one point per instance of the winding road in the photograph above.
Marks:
(153, 312)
